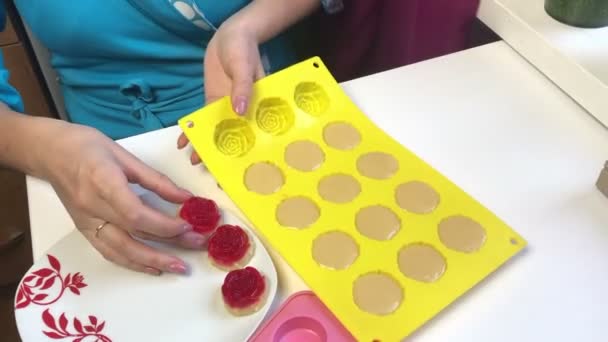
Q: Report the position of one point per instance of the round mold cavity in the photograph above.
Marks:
(377, 222)
(311, 98)
(297, 212)
(461, 233)
(335, 250)
(377, 165)
(421, 262)
(274, 116)
(300, 329)
(339, 188)
(416, 197)
(341, 136)
(304, 155)
(377, 293)
(234, 137)
(263, 178)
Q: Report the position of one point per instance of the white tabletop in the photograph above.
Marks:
(576, 59)
(508, 136)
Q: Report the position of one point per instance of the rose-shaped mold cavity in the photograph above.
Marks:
(274, 116)
(311, 98)
(234, 137)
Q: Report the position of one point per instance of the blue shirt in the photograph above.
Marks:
(8, 95)
(130, 66)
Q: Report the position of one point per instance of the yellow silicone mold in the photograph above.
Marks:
(426, 214)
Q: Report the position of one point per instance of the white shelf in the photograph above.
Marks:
(575, 59)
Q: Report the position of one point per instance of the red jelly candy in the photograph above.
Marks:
(243, 288)
(203, 214)
(228, 244)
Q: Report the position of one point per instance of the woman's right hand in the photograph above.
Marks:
(232, 64)
(91, 175)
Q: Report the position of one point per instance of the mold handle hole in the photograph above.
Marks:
(190, 124)
(315, 64)
(514, 241)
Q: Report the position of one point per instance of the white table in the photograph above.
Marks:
(497, 127)
(576, 59)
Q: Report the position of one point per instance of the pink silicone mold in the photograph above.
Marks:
(302, 318)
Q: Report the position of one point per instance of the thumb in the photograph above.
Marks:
(242, 87)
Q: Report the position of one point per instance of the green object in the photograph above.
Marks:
(581, 13)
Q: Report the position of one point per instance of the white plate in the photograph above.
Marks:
(128, 306)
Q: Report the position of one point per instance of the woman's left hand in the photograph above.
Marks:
(232, 65)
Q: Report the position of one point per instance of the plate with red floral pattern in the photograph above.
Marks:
(73, 294)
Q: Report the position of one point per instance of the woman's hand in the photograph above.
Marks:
(232, 65)
(232, 59)
(91, 175)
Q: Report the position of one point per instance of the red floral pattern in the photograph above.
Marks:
(37, 287)
(81, 332)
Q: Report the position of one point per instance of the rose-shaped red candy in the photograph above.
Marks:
(243, 288)
(202, 213)
(228, 244)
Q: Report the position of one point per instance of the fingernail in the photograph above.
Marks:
(194, 159)
(187, 227)
(152, 271)
(188, 192)
(240, 105)
(177, 267)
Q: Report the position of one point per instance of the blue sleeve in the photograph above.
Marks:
(8, 94)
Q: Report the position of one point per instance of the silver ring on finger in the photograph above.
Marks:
(99, 228)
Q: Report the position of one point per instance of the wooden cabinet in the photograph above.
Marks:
(24, 79)
(8, 36)
(15, 253)
(23, 70)
(15, 242)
